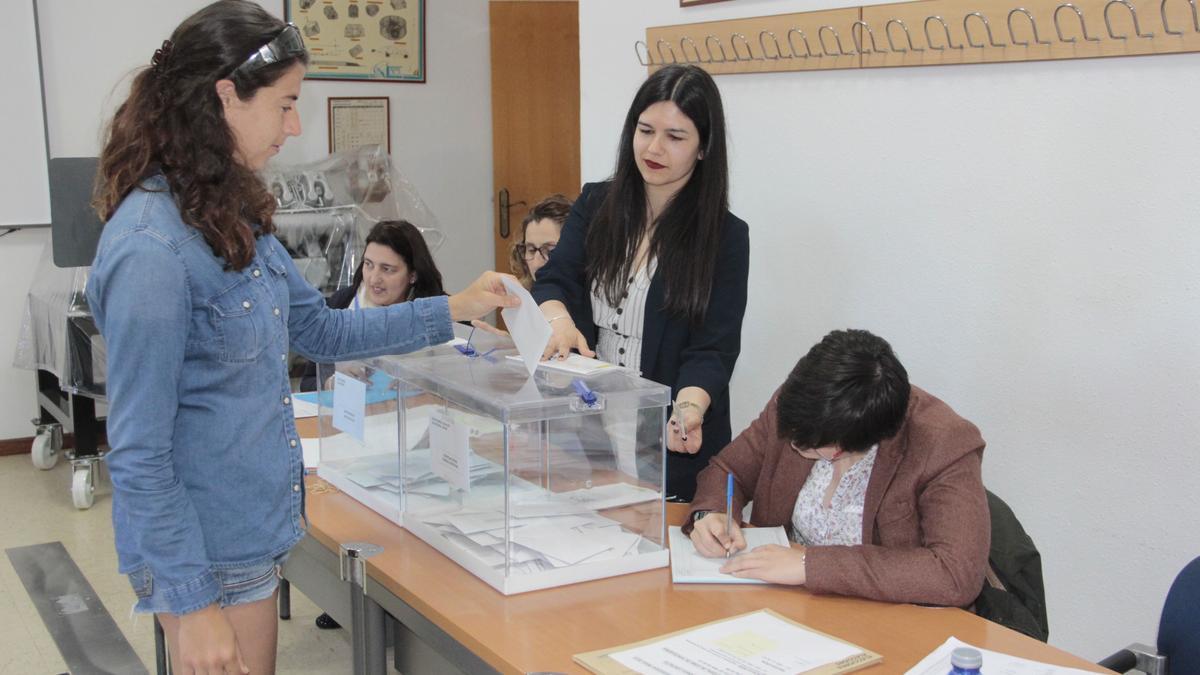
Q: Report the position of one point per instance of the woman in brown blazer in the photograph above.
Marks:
(877, 482)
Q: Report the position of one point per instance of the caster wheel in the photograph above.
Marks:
(44, 454)
(82, 489)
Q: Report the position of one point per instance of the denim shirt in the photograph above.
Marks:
(206, 463)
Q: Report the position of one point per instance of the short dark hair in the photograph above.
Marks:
(407, 241)
(849, 390)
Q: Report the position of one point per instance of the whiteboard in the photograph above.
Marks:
(24, 186)
(85, 79)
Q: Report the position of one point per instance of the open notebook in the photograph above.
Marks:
(689, 567)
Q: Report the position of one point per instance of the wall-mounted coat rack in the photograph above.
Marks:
(926, 33)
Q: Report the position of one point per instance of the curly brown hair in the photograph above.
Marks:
(173, 124)
(555, 207)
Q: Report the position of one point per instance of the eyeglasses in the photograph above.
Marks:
(528, 251)
(811, 453)
(288, 44)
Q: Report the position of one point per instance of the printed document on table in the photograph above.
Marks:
(760, 643)
(994, 663)
(527, 326)
(689, 567)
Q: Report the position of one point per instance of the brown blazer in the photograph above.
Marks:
(926, 527)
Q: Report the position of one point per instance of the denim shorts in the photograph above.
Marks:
(239, 585)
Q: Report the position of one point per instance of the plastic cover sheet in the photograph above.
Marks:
(57, 333)
(327, 207)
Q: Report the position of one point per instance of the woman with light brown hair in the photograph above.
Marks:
(540, 230)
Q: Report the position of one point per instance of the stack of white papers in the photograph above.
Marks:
(689, 567)
(542, 540)
(938, 663)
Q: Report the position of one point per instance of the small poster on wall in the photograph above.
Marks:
(375, 40)
(355, 122)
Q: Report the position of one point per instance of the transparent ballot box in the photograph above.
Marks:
(527, 481)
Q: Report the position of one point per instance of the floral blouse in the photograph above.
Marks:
(841, 524)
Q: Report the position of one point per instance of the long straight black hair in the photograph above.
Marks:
(688, 231)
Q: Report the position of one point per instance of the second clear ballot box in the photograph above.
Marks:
(527, 481)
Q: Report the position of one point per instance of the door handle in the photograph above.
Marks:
(504, 205)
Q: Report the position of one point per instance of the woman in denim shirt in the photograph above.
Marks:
(199, 304)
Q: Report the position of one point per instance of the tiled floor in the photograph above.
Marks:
(35, 508)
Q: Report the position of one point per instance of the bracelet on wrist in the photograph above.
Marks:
(556, 318)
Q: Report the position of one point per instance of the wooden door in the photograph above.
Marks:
(535, 110)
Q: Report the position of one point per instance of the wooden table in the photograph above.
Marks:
(474, 628)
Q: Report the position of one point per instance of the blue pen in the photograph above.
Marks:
(729, 512)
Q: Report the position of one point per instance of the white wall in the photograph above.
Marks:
(1023, 234)
(441, 133)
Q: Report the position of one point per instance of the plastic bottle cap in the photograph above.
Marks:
(966, 658)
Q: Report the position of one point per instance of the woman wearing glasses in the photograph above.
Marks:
(877, 481)
(540, 231)
(199, 304)
(651, 268)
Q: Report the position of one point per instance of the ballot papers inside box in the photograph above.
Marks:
(526, 481)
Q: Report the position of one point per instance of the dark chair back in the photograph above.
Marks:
(1013, 594)
(1179, 627)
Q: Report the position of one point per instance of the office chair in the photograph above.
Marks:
(1013, 594)
(1178, 647)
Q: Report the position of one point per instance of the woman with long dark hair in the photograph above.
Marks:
(199, 303)
(651, 267)
(396, 266)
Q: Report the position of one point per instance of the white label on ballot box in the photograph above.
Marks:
(349, 404)
(450, 450)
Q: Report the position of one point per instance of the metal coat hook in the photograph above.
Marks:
(888, 32)
(696, 49)
(1133, 12)
(929, 40)
(737, 55)
(986, 25)
(821, 39)
(708, 49)
(1082, 24)
(857, 38)
(1162, 9)
(1012, 36)
(807, 49)
(763, 46)
(662, 59)
(646, 61)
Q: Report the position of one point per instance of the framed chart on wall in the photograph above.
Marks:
(355, 122)
(374, 40)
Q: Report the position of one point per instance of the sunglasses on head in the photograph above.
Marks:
(286, 45)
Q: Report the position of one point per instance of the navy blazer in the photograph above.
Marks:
(674, 352)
